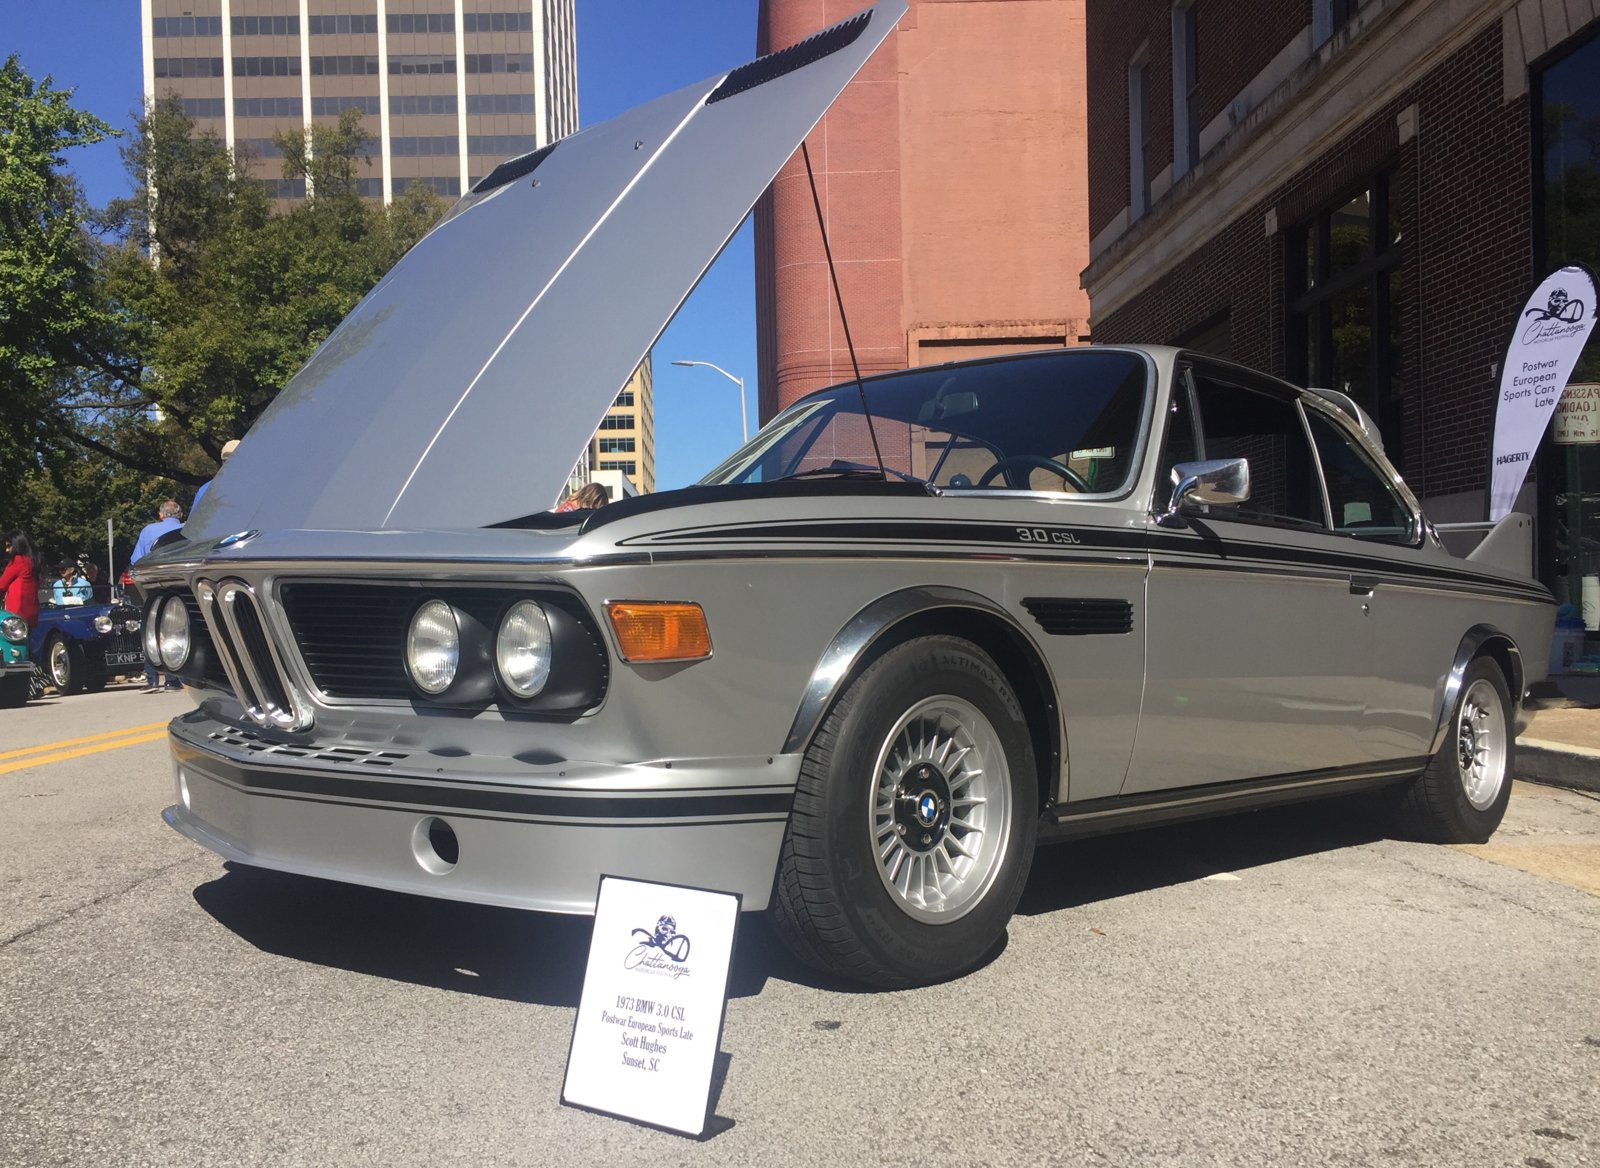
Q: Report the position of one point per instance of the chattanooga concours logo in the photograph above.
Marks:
(663, 952)
(1561, 317)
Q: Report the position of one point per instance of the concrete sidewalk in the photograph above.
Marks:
(1562, 747)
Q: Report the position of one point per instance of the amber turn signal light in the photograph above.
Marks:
(659, 631)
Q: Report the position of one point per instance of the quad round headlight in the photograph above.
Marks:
(152, 632)
(522, 649)
(14, 628)
(433, 647)
(172, 633)
(103, 624)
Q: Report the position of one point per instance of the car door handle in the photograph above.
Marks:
(1363, 585)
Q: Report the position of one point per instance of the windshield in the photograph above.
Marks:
(1066, 421)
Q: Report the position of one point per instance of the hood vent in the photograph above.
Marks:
(1080, 617)
(513, 168)
(796, 56)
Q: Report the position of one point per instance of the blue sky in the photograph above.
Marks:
(628, 51)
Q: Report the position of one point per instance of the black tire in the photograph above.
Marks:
(874, 806)
(1462, 795)
(64, 665)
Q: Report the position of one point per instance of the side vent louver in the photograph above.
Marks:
(1077, 617)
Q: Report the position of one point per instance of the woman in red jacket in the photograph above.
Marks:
(19, 583)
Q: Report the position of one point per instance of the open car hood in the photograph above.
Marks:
(463, 388)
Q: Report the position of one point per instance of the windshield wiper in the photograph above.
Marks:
(840, 469)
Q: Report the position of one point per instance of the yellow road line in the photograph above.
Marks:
(63, 755)
(62, 745)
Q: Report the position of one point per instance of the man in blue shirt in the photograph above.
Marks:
(169, 518)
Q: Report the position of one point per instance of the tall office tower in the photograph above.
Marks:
(449, 88)
(625, 444)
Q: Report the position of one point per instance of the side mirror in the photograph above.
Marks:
(1217, 480)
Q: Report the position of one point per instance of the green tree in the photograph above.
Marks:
(53, 323)
(134, 343)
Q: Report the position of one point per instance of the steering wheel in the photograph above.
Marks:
(1016, 462)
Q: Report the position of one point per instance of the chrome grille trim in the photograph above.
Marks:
(261, 683)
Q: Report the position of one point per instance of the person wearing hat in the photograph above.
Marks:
(228, 448)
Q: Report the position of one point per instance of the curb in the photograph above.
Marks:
(1558, 764)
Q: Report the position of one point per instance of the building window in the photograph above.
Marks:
(205, 107)
(188, 67)
(369, 188)
(422, 22)
(1342, 317)
(423, 103)
(625, 398)
(500, 103)
(500, 145)
(283, 188)
(265, 26)
(1138, 136)
(429, 146)
(266, 107)
(268, 66)
(343, 66)
(1329, 16)
(344, 25)
(450, 187)
(332, 107)
(616, 446)
(627, 466)
(616, 421)
(1185, 90)
(497, 22)
(1565, 109)
(499, 62)
(422, 63)
(172, 26)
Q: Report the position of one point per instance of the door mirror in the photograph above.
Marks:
(1217, 480)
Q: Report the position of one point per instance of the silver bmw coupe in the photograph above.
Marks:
(915, 626)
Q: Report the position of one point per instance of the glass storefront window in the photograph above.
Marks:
(1341, 319)
(1566, 111)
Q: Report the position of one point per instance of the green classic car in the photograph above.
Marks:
(16, 670)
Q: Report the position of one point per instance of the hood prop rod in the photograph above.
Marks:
(833, 274)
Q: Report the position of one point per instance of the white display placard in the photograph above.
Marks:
(650, 1019)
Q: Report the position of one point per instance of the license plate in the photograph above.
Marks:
(133, 658)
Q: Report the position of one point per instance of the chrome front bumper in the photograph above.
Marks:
(539, 841)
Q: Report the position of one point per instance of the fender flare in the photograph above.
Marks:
(1477, 638)
(851, 644)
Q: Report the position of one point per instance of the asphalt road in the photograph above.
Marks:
(1285, 988)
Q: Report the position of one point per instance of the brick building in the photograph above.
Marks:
(1356, 195)
(951, 176)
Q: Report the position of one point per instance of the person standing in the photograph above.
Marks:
(228, 448)
(169, 517)
(19, 583)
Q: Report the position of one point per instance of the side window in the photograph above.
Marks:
(1242, 423)
(1360, 497)
(1179, 444)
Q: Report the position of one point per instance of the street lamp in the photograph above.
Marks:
(744, 426)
